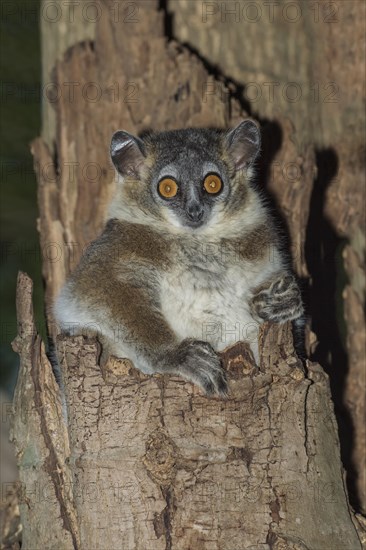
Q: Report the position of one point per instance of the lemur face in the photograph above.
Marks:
(186, 177)
(190, 176)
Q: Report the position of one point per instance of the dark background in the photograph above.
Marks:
(20, 60)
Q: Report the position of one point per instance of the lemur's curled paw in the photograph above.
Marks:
(197, 361)
(280, 301)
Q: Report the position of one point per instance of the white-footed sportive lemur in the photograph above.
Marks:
(189, 261)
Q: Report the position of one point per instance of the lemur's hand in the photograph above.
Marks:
(278, 300)
(198, 362)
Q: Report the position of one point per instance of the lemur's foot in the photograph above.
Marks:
(280, 301)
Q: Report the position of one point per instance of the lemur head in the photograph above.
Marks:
(187, 178)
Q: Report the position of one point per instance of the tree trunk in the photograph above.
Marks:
(148, 462)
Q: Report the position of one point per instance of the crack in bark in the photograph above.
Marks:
(168, 514)
(306, 434)
(53, 466)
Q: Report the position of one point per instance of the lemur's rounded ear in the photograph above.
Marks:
(243, 143)
(127, 153)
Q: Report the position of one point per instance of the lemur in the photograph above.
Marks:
(190, 260)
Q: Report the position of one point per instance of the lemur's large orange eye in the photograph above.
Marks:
(212, 184)
(168, 188)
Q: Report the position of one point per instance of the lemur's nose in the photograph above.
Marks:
(195, 211)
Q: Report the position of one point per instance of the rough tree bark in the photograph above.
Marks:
(148, 462)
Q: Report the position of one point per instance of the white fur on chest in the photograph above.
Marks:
(211, 306)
